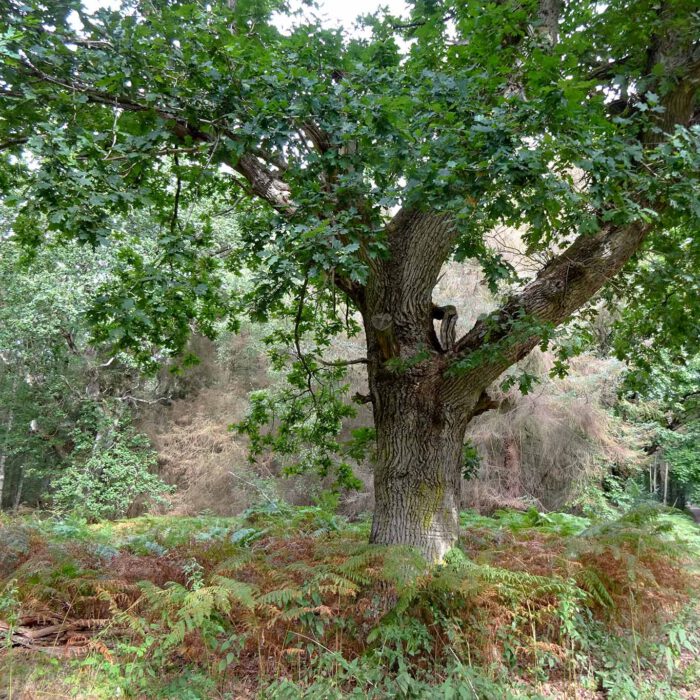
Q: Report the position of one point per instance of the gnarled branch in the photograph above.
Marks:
(560, 288)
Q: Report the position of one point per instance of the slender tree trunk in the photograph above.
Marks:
(3, 453)
(3, 458)
(20, 485)
(513, 467)
(4, 448)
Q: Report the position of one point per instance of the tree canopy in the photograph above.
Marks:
(544, 116)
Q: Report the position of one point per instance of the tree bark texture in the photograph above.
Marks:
(421, 409)
(419, 435)
(418, 469)
(3, 458)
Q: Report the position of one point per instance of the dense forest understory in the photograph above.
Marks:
(349, 361)
(290, 602)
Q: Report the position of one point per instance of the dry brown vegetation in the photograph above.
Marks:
(543, 448)
(538, 449)
(299, 591)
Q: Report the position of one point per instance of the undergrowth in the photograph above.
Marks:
(292, 603)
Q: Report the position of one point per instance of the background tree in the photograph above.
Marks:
(67, 437)
(360, 168)
(663, 398)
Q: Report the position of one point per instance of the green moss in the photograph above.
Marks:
(428, 503)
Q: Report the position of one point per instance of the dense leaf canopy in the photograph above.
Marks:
(558, 118)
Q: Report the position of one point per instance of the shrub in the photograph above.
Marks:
(104, 480)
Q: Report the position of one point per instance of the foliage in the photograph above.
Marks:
(557, 523)
(302, 428)
(108, 474)
(663, 398)
(471, 460)
(66, 406)
(682, 452)
(9, 610)
(138, 114)
(656, 323)
(308, 610)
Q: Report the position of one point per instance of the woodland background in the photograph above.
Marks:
(74, 415)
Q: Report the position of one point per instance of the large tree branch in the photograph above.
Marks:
(263, 182)
(17, 141)
(562, 287)
(549, 12)
(261, 171)
(320, 139)
(573, 277)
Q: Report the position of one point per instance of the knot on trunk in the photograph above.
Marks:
(383, 325)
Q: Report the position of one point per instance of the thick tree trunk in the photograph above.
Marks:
(418, 470)
(419, 434)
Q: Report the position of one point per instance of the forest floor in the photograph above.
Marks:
(289, 603)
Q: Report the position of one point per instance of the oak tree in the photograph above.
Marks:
(357, 165)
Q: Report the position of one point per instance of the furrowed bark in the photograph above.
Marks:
(419, 436)
(401, 287)
(418, 469)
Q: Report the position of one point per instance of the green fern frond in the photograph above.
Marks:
(595, 588)
(281, 596)
(401, 565)
(235, 563)
(237, 591)
(301, 567)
